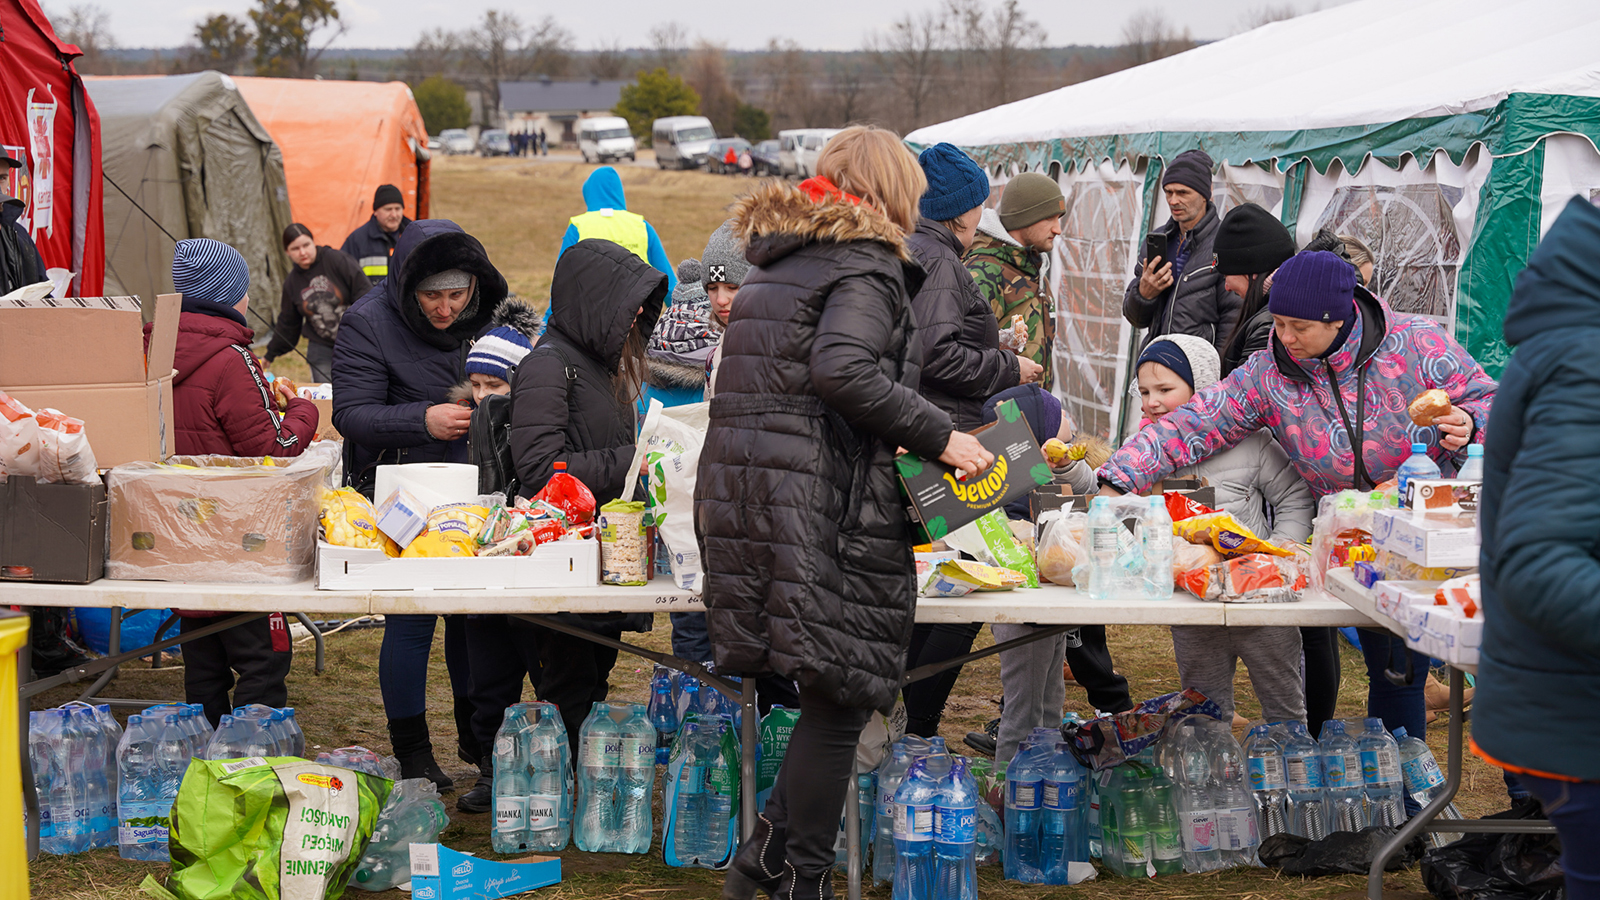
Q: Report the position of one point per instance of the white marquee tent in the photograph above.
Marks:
(1483, 117)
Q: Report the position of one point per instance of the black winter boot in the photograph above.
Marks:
(468, 749)
(758, 866)
(481, 798)
(795, 886)
(409, 736)
(54, 650)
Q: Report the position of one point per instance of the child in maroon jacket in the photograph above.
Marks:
(223, 404)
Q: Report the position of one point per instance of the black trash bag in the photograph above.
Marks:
(1340, 853)
(1498, 866)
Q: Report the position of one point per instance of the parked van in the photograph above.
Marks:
(789, 151)
(682, 142)
(811, 143)
(604, 138)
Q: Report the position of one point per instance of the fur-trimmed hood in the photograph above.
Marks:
(778, 218)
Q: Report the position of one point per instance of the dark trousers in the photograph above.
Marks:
(1574, 808)
(925, 698)
(1093, 670)
(259, 653)
(1321, 649)
(573, 672)
(811, 785)
(403, 662)
(1395, 704)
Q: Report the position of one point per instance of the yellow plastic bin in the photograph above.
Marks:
(13, 851)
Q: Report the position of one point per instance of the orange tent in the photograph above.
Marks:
(340, 140)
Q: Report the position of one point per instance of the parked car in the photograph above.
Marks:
(494, 142)
(717, 156)
(455, 141)
(604, 138)
(765, 157)
(435, 145)
(682, 142)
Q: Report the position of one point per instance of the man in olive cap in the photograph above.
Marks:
(1008, 257)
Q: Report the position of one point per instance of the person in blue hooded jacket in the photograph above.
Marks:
(608, 219)
(1539, 674)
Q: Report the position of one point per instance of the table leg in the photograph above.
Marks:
(1447, 792)
(747, 757)
(114, 647)
(94, 667)
(852, 833)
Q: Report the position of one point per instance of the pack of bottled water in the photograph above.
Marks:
(73, 752)
(532, 780)
(1046, 823)
(361, 760)
(256, 730)
(1124, 563)
(414, 814)
(152, 757)
(616, 774)
(1219, 825)
(700, 800)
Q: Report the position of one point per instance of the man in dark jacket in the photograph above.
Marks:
(20, 264)
(1540, 516)
(373, 245)
(962, 363)
(1184, 294)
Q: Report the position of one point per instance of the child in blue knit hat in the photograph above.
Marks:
(495, 356)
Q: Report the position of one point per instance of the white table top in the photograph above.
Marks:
(1342, 585)
(1049, 605)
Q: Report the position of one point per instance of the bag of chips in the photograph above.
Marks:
(569, 495)
(1222, 531)
(440, 544)
(1252, 578)
(464, 519)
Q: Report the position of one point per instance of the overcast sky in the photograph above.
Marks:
(815, 24)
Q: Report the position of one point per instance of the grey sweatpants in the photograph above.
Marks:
(1208, 655)
(1033, 686)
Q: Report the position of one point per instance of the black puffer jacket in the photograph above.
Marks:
(1198, 304)
(806, 547)
(962, 363)
(579, 420)
(390, 364)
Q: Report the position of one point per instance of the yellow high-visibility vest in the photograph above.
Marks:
(617, 226)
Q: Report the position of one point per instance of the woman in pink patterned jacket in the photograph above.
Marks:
(1327, 332)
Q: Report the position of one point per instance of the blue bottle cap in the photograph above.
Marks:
(1400, 733)
(1419, 448)
(1474, 450)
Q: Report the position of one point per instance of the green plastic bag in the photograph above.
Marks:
(276, 828)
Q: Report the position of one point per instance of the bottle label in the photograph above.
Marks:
(601, 752)
(140, 821)
(1167, 846)
(1199, 831)
(1338, 771)
(510, 813)
(1023, 795)
(913, 822)
(1104, 539)
(1305, 773)
(691, 780)
(1135, 849)
(1236, 828)
(638, 753)
(1061, 796)
(719, 780)
(1422, 774)
(544, 812)
(955, 825)
(1266, 773)
(1379, 766)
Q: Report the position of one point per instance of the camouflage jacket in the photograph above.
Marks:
(1008, 276)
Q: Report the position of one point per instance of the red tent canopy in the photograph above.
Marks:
(48, 123)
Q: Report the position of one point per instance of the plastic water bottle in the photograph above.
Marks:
(92, 754)
(599, 759)
(1268, 783)
(1422, 777)
(1024, 806)
(689, 804)
(955, 836)
(1380, 775)
(1155, 538)
(913, 834)
(138, 795)
(719, 797)
(1096, 833)
(1197, 810)
(172, 756)
(1472, 469)
(636, 781)
(201, 726)
(1125, 823)
(1341, 778)
(1062, 834)
(547, 752)
(230, 739)
(386, 861)
(1166, 844)
(663, 713)
(891, 772)
(1238, 833)
(1302, 766)
(1102, 534)
(1418, 465)
(512, 783)
(41, 759)
(296, 738)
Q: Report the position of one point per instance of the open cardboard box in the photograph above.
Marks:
(86, 357)
(439, 873)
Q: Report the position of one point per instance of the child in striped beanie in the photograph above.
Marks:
(495, 356)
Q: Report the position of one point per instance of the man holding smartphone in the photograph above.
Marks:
(1176, 288)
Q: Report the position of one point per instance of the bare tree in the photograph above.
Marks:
(707, 72)
(1265, 15)
(609, 61)
(793, 97)
(996, 47)
(910, 55)
(501, 48)
(1149, 36)
(669, 43)
(89, 27)
(436, 52)
(849, 92)
(548, 48)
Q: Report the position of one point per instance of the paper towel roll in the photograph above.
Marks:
(431, 483)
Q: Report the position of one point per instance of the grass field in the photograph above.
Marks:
(519, 209)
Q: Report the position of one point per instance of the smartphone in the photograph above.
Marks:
(1155, 245)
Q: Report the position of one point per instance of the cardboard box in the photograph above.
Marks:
(229, 520)
(52, 532)
(439, 873)
(322, 396)
(124, 400)
(1441, 496)
(556, 564)
(940, 503)
(1429, 542)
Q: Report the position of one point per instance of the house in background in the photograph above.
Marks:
(555, 106)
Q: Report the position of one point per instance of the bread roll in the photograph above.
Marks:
(1429, 407)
